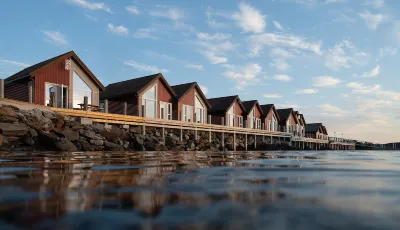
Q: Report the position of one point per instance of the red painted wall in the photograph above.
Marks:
(54, 73)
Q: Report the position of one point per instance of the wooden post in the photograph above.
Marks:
(181, 136)
(163, 134)
(245, 141)
(303, 145)
(234, 141)
(222, 120)
(271, 139)
(85, 103)
(255, 141)
(106, 106)
(144, 130)
(1, 88)
(209, 119)
(195, 134)
(30, 92)
(125, 108)
(209, 136)
(223, 140)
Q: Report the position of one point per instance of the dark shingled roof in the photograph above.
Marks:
(284, 113)
(132, 86)
(266, 108)
(182, 89)
(27, 71)
(313, 127)
(248, 105)
(222, 104)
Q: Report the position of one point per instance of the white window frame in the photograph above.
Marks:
(202, 110)
(231, 116)
(62, 93)
(258, 123)
(144, 99)
(274, 122)
(81, 90)
(252, 119)
(240, 121)
(185, 109)
(167, 110)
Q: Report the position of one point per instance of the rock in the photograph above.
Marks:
(87, 133)
(135, 129)
(113, 147)
(8, 119)
(65, 145)
(174, 137)
(114, 132)
(33, 132)
(158, 134)
(83, 145)
(7, 110)
(98, 127)
(16, 130)
(11, 139)
(150, 146)
(28, 140)
(48, 114)
(58, 120)
(97, 142)
(187, 137)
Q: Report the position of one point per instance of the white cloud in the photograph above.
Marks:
(244, 75)
(344, 95)
(361, 88)
(306, 91)
(55, 37)
(144, 67)
(288, 105)
(204, 89)
(373, 20)
(332, 110)
(376, 3)
(373, 104)
(259, 41)
(278, 25)
(212, 22)
(343, 55)
(373, 73)
(174, 14)
(91, 5)
(325, 81)
(282, 53)
(334, 1)
(387, 51)
(213, 58)
(145, 33)
(194, 66)
(14, 63)
(217, 36)
(249, 19)
(132, 10)
(272, 96)
(280, 64)
(282, 77)
(119, 30)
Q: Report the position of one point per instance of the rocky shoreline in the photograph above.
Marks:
(40, 130)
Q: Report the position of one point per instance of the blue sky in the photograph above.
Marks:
(333, 60)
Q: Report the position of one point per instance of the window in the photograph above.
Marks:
(231, 116)
(269, 125)
(240, 121)
(165, 111)
(199, 111)
(187, 113)
(56, 95)
(149, 103)
(251, 119)
(258, 123)
(80, 90)
(274, 123)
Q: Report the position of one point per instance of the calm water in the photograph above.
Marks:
(293, 190)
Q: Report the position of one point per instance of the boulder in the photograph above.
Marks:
(65, 145)
(97, 142)
(7, 110)
(28, 140)
(83, 145)
(135, 129)
(70, 135)
(58, 120)
(113, 147)
(8, 119)
(16, 130)
(98, 127)
(33, 132)
(88, 134)
(48, 114)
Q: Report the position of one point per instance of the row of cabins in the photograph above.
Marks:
(65, 81)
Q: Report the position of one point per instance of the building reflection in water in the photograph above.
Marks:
(140, 182)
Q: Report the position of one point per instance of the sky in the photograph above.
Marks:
(335, 61)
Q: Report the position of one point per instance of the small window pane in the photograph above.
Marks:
(151, 93)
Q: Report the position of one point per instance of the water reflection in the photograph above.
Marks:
(198, 190)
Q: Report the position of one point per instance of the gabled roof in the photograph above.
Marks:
(313, 127)
(285, 113)
(266, 108)
(183, 89)
(302, 117)
(133, 86)
(222, 104)
(248, 106)
(34, 69)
